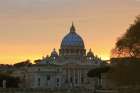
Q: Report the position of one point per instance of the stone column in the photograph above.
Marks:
(4, 83)
(74, 77)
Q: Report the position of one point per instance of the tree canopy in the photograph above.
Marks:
(130, 42)
(11, 82)
(97, 71)
(125, 72)
(23, 63)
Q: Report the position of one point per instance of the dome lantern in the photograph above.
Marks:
(72, 29)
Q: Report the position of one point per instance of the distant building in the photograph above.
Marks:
(66, 69)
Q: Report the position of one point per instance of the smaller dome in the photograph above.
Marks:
(90, 53)
(54, 53)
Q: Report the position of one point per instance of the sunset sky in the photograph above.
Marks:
(30, 29)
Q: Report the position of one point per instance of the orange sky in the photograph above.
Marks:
(30, 29)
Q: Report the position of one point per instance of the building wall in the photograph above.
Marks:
(45, 91)
(58, 76)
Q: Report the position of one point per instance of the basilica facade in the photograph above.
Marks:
(66, 69)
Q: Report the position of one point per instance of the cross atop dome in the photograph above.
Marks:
(72, 29)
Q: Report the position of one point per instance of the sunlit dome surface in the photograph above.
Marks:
(72, 39)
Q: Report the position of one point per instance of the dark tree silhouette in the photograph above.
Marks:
(129, 43)
(124, 74)
(97, 72)
(37, 61)
(24, 63)
(11, 82)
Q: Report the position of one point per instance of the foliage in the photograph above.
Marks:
(11, 82)
(130, 41)
(97, 71)
(24, 63)
(125, 73)
(37, 61)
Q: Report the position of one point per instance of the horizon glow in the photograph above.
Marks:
(31, 29)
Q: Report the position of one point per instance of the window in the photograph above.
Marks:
(71, 80)
(38, 81)
(82, 79)
(48, 77)
(57, 80)
(66, 81)
(57, 85)
(76, 80)
(90, 58)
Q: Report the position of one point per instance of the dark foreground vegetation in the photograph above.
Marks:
(124, 69)
(11, 82)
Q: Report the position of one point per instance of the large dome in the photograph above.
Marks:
(72, 39)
